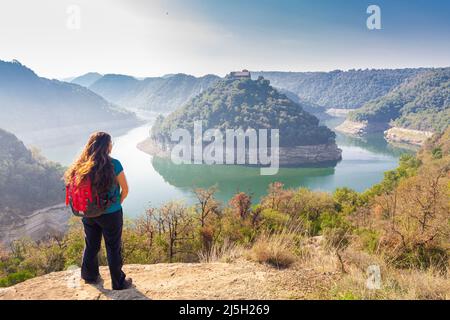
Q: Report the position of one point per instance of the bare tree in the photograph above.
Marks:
(207, 204)
(175, 223)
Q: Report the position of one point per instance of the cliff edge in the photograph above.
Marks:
(237, 280)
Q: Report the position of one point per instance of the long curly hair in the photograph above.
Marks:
(95, 163)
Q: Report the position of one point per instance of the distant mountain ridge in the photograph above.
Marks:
(30, 103)
(339, 89)
(158, 94)
(325, 90)
(87, 79)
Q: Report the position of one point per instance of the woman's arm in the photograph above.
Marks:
(122, 180)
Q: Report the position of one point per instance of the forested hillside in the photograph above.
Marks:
(233, 104)
(339, 89)
(28, 182)
(422, 103)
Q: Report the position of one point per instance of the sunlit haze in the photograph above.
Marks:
(152, 38)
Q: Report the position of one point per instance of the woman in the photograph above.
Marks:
(107, 179)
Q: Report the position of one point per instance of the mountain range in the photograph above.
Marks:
(35, 106)
(157, 94)
(317, 91)
(339, 89)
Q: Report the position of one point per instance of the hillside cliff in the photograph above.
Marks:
(30, 190)
(415, 109)
(340, 89)
(240, 280)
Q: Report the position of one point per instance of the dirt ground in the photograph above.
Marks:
(237, 280)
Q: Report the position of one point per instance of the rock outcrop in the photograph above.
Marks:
(300, 155)
(238, 280)
(339, 113)
(288, 156)
(361, 128)
(407, 136)
(394, 134)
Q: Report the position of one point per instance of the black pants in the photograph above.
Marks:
(110, 226)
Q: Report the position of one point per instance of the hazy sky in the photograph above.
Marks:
(156, 37)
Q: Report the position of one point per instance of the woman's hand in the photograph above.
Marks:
(122, 180)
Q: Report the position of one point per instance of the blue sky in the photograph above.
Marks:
(149, 38)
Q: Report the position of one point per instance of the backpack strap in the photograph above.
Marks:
(67, 195)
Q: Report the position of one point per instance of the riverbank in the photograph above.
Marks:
(407, 136)
(338, 113)
(357, 128)
(289, 157)
(395, 135)
(155, 182)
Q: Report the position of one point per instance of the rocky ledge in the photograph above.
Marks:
(238, 280)
(339, 113)
(407, 136)
(289, 156)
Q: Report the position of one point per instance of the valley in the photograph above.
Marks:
(357, 163)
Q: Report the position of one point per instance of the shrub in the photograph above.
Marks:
(15, 278)
(369, 239)
(274, 220)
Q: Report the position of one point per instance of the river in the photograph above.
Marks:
(155, 181)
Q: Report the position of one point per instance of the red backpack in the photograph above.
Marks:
(83, 201)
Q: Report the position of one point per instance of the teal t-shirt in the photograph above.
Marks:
(115, 191)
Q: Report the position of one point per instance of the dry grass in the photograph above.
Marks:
(277, 249)
(225, 252)
(396, 284)
(287, 249)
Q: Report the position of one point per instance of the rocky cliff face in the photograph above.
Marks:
(407, 136)
(361, 128)
(48, 221)
(394, 134)
(288, 156)
(301, 155)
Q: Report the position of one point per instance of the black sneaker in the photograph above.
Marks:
(95, 281)
(127, 284)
